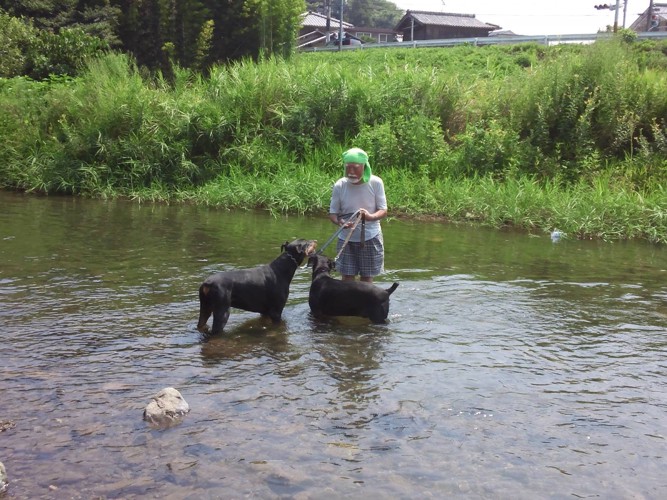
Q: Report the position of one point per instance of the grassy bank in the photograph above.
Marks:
(567, 137)
(584, 210)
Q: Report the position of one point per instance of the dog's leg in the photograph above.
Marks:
(205, 309)
(220, 317)
(275, 316)
(378, 314)
(222, 300)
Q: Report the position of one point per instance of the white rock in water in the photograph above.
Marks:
(167, 406)
(4, 481)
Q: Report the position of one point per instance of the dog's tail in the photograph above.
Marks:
(391, 289)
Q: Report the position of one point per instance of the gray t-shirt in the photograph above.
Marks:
(347, 198)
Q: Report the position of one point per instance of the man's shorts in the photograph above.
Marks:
(367, 261)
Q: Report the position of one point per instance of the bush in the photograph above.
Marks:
(413, 143)
(64, 53)
(16, 41)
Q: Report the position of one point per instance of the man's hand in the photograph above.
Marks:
(365, 214)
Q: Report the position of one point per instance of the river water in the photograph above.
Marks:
(511, 367)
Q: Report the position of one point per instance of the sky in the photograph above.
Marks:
(536, 17)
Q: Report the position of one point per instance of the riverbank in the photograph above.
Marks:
(582, 211)
(567, 137)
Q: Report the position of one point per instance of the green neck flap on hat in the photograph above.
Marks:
(356, 155)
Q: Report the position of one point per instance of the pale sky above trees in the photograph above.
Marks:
(536, 17)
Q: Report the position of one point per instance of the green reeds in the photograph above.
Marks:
(568, 137)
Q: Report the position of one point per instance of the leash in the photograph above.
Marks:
(349, 235)
(356, 215)
(363, 231)
(337, 232)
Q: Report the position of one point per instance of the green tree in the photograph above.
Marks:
(204, 42)
(16, 40)
(148, 36)
(128, 25)
(28, 51)
(98, 18)
(387, 14)
(254, 28)
(45, 14)
(190, 17)
(369, 13)
(361, 12)
(278, 25)
(63, 53)
(158, 33)
(373, 13)
(229, 22)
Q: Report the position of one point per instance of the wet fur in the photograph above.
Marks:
(263, 289)
(332, 297)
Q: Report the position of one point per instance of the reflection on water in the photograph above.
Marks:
(511, 366)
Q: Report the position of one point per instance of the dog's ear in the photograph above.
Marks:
(312, 260)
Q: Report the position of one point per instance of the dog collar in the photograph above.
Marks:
(293, 259)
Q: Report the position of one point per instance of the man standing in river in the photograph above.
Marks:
(359, 190)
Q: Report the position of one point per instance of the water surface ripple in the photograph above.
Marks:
(511, 367)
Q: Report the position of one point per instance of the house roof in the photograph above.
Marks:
(317, 20)
(503, 33)
(659, 10)
(443, 19)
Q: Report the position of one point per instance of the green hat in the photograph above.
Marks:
(356, 155)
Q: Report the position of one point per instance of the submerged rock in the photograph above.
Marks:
(167, 407)
(4, 481)
(6, 425)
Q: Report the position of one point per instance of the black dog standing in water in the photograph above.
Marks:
(262, 289)
(332, 297)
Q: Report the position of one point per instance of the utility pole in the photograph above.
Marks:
(605, 6)
(649, 17)
(328, 7)
(340, 30)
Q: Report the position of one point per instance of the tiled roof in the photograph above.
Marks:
(446, 19)
(317, 20)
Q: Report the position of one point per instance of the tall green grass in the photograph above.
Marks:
(572, 137)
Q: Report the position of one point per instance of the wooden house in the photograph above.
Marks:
(314, 30)
(377, 35)
(422, 25)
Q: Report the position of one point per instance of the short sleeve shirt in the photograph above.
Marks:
(347, 198)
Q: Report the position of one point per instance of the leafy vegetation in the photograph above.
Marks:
(157, 33)
(25, 50)
(368, 13)
(572, 136)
